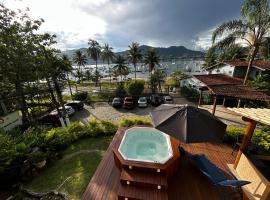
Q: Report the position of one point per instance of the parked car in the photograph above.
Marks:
(117, 102)
(49, 119)
(128, 103)
(156, 100)
(142, 102)
(167, 100)
(76, 105)
(70, 111)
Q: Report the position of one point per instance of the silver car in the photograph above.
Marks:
(167, 100)
(70, 111)
(142, 102)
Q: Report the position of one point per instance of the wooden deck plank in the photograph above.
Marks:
(188, 183)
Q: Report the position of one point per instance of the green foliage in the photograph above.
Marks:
(108, 127)
(8, 151)
(120, 91)
(262, 83)
(80, 96)
(37, 144)
(135, 87)
(210, 58)
(128, 122)
(260, 141)
(190, 93)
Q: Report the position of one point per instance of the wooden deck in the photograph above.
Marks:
(187, 184)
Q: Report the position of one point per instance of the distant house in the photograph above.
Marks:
(238, 68)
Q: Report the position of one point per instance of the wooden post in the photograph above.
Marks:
(214, 105)
(239, 103)
(246, 139)
(200, 98)
(223, 103)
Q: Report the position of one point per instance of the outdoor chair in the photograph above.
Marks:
(216, 176)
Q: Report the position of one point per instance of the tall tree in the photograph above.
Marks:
(80, 59)
(67, 68)
(252, 29)
(19, 43)
(134, 55)
(210, 58)
(94, 52)
(151, 59)
(108, 55)
(120, 68)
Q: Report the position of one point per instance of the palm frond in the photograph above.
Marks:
(226, 42)
(228, 27)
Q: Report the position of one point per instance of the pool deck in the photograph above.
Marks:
(188, 183)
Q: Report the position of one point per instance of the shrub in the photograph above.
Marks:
(190, 93)
(232, 132)
(260, 141)
(94, 128)
(80, 96)
(135, 87)
(37, 144)
(59, 138)
(109, 128)
(120, 91)
(77, 129)
(128, 122)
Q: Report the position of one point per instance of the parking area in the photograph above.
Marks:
(104, 111)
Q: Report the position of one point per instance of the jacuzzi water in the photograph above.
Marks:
(146, 144)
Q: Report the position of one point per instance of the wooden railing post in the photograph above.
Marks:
(200, 99)
(214, 105)
(246, 139)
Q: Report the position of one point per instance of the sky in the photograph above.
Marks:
(159, 23)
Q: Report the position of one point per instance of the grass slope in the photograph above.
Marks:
(72, 173)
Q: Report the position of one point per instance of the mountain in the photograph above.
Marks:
(172, 52)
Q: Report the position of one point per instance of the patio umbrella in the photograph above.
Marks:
(188, 124)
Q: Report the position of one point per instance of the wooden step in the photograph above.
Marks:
(144, 179)
(130, 192)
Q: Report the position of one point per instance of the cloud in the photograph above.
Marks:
(159, 22)
(119, 22)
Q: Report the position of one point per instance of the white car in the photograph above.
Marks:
(70, 111)
(167, 100)
(142, 102)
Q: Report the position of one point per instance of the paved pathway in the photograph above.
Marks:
(104, 111)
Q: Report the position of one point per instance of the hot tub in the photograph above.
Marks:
(146, 144)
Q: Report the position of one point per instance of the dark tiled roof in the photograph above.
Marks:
(223, 85)
(260, 64)
(239, 92)
(218, 79)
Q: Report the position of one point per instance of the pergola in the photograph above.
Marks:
(242, 167)
(251, 116)
(220, 85)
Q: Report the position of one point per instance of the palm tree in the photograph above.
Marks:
(252, 29)
(134, 55)
(120, 68)
(68, 68)
(94, 52)
(80, 59)
(107, 54)
(151, 59)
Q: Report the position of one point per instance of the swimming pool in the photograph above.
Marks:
(146, 144)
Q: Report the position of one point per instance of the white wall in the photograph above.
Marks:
(225, 69)
(192, 83)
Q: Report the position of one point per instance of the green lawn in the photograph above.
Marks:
(72, 173)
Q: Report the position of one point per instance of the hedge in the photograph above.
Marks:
(128, 122)
(260, 142)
